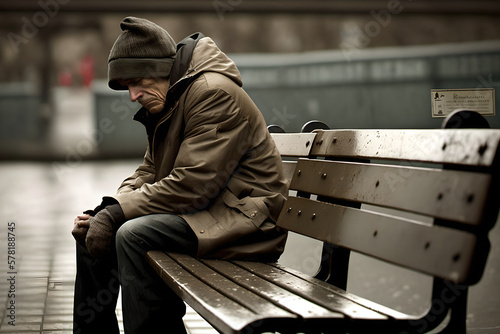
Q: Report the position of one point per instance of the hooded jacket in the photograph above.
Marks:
(210, 160)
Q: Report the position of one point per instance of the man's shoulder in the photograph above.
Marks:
(210, 83)
(215, 81)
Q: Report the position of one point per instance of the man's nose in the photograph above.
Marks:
(135, 93)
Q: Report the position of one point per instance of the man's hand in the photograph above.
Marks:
(100, 234)
(80, 228)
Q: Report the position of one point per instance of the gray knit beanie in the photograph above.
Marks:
(143, 50)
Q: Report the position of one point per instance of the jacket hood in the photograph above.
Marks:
(207, 57)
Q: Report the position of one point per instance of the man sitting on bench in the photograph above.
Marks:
(211, 184)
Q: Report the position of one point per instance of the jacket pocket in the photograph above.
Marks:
(252, 207)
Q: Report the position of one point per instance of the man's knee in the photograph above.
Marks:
(129, 232)
(162, 232)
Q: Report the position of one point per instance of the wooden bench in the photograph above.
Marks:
(447, 179)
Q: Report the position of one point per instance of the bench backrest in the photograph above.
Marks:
(447, 180)
(292, 146)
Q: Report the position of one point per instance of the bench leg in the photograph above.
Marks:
(334, 265)
(457, 323)
(448, 299)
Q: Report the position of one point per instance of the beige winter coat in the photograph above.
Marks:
(212, 161)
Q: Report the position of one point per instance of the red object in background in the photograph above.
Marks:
(87, 70)
(65, 79)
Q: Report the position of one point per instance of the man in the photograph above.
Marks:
(211, 184)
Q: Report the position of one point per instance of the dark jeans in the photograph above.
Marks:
(148, 304)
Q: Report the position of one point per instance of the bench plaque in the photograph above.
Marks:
(445, 101)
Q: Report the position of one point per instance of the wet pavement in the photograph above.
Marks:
(38, 204)
(39, 200)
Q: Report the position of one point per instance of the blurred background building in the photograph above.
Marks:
(349, 63)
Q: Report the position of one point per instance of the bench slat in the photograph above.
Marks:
(294, 144)
(460, 146)
(391, 313)
(230, 316)
(446, 194)
(224, 284)
(283, 297)
(435, 250)
(314, 292)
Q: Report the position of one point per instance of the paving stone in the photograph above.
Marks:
(57, 326)
(29, 319)
(19, 328)
(57, 318)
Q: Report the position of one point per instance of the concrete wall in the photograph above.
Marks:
(375, 88)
